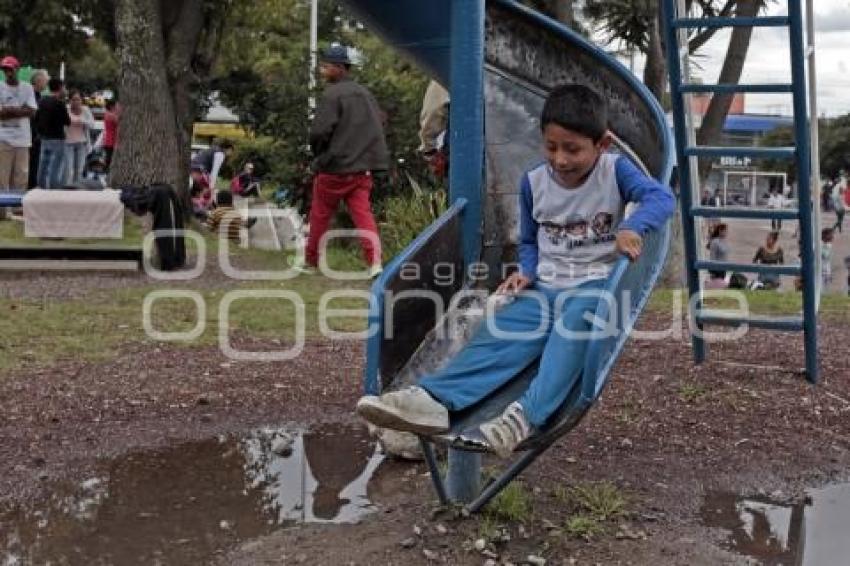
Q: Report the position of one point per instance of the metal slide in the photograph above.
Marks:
(499, 60)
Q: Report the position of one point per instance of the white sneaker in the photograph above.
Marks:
(408, 410)
(375, 270)
(302, 267)
(505, 432)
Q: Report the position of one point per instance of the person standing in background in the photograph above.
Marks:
(347, 140)
(110, 129)
(17, 105)
(51, 120)
(39, 85)
(77, 140)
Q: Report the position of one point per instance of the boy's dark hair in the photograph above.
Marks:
(224, 198)
(55, 84)
(226, 144)
(577, 108)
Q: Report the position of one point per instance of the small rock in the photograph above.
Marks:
(417, 530)
(480, 544)
(489, 554)
(408, 543)
(441, 529)
(202, 400)
(43, 476)
(429, 554)
(282, 446)
(490, 562)
(626, 443)
(301, 558)
(225, 525)
(206, 417)
(535, 560)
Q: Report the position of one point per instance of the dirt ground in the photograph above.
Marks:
(666, 433)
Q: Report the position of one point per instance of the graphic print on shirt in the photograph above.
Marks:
(578, 232)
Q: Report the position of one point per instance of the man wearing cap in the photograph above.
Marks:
(347, 139)
(17, 105)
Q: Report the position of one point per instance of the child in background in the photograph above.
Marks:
(225, 217)
(572, 231)
(826, 237)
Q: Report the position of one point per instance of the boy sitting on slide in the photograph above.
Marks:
(572, 230)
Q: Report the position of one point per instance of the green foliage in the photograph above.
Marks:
(691, 392)
(602, 500)
(583, 526)
(512, 504)
(96, 69)
(405, 216)
(45, 35)
(591, 506)
(263, 75)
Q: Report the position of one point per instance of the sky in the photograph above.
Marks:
(768, 59)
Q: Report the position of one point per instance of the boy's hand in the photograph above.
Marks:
(515, 283)
(629, 243)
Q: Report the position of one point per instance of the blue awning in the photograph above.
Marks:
(754, 123)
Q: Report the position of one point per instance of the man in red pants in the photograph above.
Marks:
(347, 139)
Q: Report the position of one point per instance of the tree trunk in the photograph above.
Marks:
(149, 147)
(733, 65)
(655, 72)
(168, 47)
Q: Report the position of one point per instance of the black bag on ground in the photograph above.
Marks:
(738, 281)
(168, 226)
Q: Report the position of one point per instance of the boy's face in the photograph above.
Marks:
(572, 155)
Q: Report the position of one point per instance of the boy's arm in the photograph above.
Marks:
(656, 201)
(528, 252)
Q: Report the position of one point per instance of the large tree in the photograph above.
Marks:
(167, 49)
(636, 25)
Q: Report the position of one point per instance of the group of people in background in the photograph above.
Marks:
(835, 197)
(45, 132)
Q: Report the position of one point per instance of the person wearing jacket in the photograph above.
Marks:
(347, 140)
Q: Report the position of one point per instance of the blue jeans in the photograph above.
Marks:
(75, 155)
(51, 164)
(489, 361)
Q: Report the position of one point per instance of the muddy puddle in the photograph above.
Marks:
(810, 533)
(186, 503)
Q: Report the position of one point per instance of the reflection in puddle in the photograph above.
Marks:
(811, 534)
(182, 504)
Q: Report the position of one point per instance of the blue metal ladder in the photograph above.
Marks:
(676, 24)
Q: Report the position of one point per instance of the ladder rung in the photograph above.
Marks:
(772, 21)
(749, 267)
(732, 88)
(745, 212)
(754, 152)
(788, 323)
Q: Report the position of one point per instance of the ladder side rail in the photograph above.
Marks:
(804, 194)
(688, 166)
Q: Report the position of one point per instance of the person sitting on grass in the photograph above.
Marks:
(769, 254)
(225, 220)
(572, 231)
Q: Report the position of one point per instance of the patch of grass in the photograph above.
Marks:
(834, 306)
(628, 413)
(93, 328)
(512, 504)
(583, 526)
(602, 501)
(691, 392)
(12, 233)
(488, 527)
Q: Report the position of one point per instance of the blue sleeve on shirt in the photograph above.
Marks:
(656, 201)
(527, 231)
